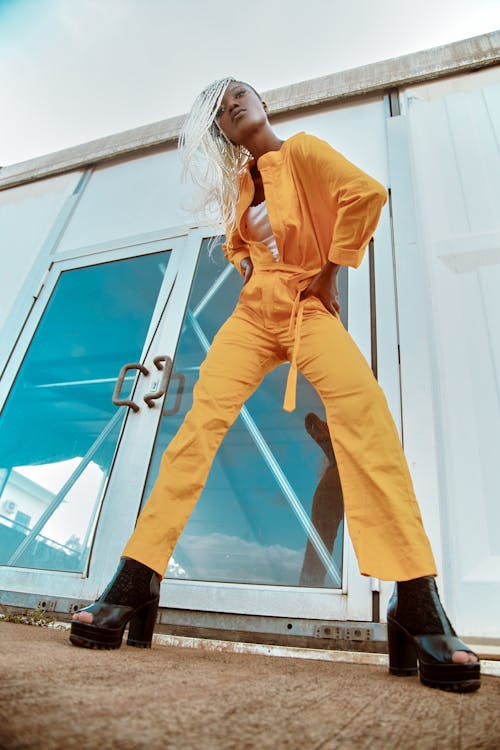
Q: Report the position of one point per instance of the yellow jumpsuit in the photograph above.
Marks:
(321, 207)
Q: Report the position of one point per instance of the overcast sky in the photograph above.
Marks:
(75, 70)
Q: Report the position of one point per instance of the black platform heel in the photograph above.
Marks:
(142, 625)
(419, 632)
(132, 598)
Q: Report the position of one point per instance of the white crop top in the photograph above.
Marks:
(259, 229)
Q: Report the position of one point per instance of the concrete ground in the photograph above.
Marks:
(54, 696)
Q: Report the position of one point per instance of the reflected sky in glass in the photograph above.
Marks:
(60, 408)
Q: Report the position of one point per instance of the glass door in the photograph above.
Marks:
(267, 535)
(59, 427)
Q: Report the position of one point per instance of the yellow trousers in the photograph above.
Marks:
(268, 327)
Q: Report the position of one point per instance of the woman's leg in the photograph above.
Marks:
(384, 520)
(383, 516)
(241, 354)
(327, 509)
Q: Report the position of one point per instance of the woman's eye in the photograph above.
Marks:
(241, 92)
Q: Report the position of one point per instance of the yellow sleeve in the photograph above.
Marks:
(354, 199)
(235, 250)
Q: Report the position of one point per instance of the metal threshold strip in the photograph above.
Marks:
(488, 666)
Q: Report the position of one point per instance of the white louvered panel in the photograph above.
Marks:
(487, 397)
(456, 164)
(439, 191)
(478, 159)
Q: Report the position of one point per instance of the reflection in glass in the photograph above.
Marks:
(59, 428)
(327, 509)
(271, 511)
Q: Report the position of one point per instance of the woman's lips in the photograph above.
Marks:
(238, 114)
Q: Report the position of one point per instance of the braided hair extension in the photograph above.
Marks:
(210, 159)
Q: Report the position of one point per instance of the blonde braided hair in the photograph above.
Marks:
(209, 158)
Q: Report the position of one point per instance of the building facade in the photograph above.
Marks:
(110, 294)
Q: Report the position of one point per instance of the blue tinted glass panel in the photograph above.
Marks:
(271, 511)
(59, 428)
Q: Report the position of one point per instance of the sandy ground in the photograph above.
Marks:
(55, 696)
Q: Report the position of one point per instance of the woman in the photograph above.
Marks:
(295, 211)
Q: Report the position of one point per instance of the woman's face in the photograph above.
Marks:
(241, 112)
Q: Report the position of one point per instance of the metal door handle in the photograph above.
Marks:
(119, 383)
(161, 362)
(178, 396)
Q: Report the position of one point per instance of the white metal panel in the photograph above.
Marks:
(456, 159)
(129, 198)
(357, 130)
(27, 214)
(477, 155)
(470, 80)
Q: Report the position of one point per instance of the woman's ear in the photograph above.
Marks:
(264, 104)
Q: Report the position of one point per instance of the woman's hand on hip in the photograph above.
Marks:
(247, 268)
(324, 287)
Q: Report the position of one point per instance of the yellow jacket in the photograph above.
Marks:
(321, 207)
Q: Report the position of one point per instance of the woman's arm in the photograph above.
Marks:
(246, 266)
(351, 200)
(324, 287)
(235, 251)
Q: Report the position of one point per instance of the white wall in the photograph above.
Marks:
(27, 214)
(129, 198)
(448, 268)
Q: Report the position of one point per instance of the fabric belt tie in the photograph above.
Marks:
(291, 383)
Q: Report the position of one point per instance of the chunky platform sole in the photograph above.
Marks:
(430, 657)
(110, 621)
